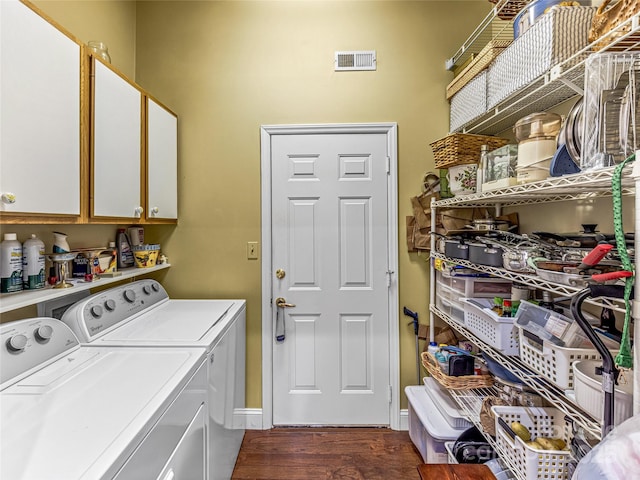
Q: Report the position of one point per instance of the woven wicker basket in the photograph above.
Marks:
(487, 418)
(462, 148)
(608, 19)
(509, 8)
(454, 383)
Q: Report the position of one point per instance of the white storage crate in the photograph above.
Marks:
(541, 422)
(469, 103)
(497, 331)
(553, 361)
(555, 37)
(428, 429)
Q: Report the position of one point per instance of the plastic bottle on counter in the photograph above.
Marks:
(33, 263)
(123, 245)
(10, 264)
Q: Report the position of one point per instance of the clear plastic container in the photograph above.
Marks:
(499, 168)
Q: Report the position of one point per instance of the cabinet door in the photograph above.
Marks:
(116, 130)
(162, 162)
(39, 114)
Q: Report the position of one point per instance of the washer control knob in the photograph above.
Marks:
(110, 305)
(146, 290)
(43, 333)
(129, 296)
(155, 287)
(96, 311)
(17, 342)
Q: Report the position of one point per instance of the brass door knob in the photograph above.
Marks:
(282, 303)
(280, 273)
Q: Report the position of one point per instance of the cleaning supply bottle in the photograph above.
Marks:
(10, 264)
(33, 264)
(125, 255)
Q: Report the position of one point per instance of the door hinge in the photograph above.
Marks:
(388, 165)
(390, 393)
(389, 277)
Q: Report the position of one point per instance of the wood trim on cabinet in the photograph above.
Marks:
(91, 116)
(85, 128)
(144, 152)
(52, 22)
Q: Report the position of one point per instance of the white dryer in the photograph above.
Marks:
(69, 412)
(142, 314)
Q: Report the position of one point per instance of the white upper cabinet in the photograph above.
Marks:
(116, 145)
(162, 162)
(39, 115)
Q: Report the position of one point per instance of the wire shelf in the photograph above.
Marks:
(540, 384)
(560, 83)
(579, 186)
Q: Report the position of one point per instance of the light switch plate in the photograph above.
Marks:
(252, 250)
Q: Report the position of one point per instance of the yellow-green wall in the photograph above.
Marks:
(227, 67)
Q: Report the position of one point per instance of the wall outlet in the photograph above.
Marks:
(252, 250)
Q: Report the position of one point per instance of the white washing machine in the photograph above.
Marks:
(142, 314)
(69, 412)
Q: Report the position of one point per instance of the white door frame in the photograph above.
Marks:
(266, 132)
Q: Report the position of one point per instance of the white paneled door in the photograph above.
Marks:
(330, 261)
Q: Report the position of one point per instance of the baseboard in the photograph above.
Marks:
(251, 418)
(248, 418)
(404, 419)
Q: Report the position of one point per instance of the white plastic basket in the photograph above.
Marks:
(451, 458)
(541, 422)
(497, 331)
(553, 361)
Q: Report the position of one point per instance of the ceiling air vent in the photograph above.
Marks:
(349, 61)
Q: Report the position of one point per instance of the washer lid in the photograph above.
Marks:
(174, 323)
(82, 416)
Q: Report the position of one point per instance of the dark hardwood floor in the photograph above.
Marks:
(327, 453)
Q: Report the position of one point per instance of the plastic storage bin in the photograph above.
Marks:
(551, 325)
(497, 331)
(475, 286)
(541, 422)
(428, 429)
(450, 303)
(445, 404)
(499, 168)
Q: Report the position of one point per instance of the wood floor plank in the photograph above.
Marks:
(327, 453)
